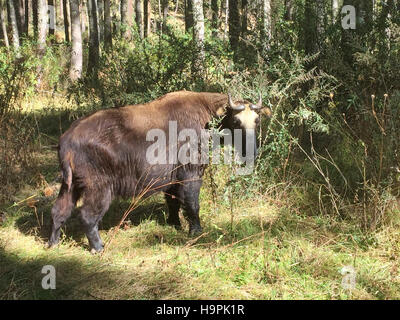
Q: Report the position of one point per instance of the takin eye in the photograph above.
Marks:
(236, 122)
(257, 120)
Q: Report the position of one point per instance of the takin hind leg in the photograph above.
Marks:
(174, 205)
(61, 211)
(95, 205)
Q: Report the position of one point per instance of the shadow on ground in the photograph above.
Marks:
(80, 278)
(30, 223)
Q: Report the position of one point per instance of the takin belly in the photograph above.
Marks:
(127, 180)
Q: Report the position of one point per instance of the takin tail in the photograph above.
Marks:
(66, 168)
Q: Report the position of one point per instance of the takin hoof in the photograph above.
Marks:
(175, 224)
(195, 231)
(96, 251)
(51, 244)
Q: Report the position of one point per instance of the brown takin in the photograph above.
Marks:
(105, 155)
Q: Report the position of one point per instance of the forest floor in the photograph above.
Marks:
(259, 247)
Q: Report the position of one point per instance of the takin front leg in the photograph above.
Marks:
(191, 192)
(61, 211)
(95, 205)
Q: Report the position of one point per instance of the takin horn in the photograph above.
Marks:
(258, 105)
(233, 106)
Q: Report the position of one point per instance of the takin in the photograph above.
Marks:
(103, 156)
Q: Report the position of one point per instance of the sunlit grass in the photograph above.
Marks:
(292, 258)
(263, 247)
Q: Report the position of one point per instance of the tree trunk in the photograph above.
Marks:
(35, 18)
(19, 6)
(83, 11)
(42, 32)
(66, 20)
(234, 25)
(321, 13)
(139, 17)
(244, 18)
(214, 16)
(3, 23)
(165, 11)
(124, 12)
(75, 71)
(176, 6)
(289, 10)
(364, 15)
(14, 25)
(198, 38)
(313, 26)
(226, 18)
(266, 27)
(100, 19)
(335, 10)
(126, 18)
(42, 25)
(26, 26)
(17, 9)
(188, 15)
(93, 58)
(21, 9)
(107, 26)
(147, 17)
(52, 15)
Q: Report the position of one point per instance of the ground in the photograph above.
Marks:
(262, 246)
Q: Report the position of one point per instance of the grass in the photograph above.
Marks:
(266, 248)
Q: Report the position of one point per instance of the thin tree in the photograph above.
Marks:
(42, 32)
(66, 20)
(100, 19)
(84, 16)
(75, 71)
(165, 12)
(244, 18)
(188, 15)
(214, 16)
(52, 15)
(126, 18)
(266, 23)
(94, 51)
(107, 26)
(19, 6)
(314, 26)
(198, 38)
(14, 25)
(234, 25)
(20, 23)
(176, 6)
(335, 10)
(139, 17)
(26, 26)
(289, 10)
(123, 13)
(226, 9)
(3, 23)
(42, 25)
(364, 16)
(147, 17)
(35, 18)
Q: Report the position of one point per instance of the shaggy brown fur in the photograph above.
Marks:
(103, 156)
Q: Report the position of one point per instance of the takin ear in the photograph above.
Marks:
(267, 111)
(221, 111)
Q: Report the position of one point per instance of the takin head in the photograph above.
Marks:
(245, 116)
